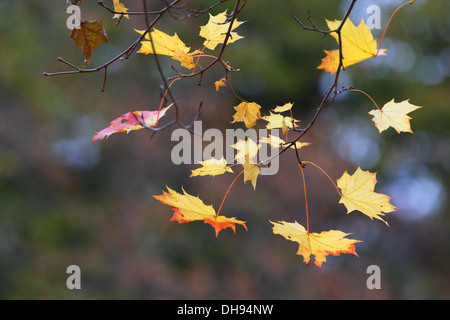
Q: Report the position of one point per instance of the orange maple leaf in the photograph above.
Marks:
(189, 208)
(318, 244)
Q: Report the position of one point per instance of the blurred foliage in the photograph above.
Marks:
(64, 201)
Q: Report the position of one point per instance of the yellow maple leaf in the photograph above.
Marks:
(119, 7)
(318, 244)
(286, 107)
(211, 167)
(280, 121)
(251, 172)
(170, 46)
(247, 112)
(358, 194)
(216, 29)
(394, 115)
(358, 45)
(189, 208)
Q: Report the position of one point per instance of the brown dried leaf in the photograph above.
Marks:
(88, 37)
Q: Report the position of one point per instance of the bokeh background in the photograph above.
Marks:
(64, 201)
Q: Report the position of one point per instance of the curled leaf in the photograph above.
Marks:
(131, 121)
(88, 37)
(247, 112)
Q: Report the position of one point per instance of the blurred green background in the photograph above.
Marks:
(65, 202)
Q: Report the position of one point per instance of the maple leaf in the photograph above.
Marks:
(277, 142)
(286, 107)
(211, 167)
(394, 115)
(318, 244)
(167, 45)
(119, 7)
(251, 173)
(247, 150)
(220, 83)
(280, 121)
(358, 45)
(358, 194)
(216, 29)
(131, 121)
(189, 208)
(247, 112)
(88, 37)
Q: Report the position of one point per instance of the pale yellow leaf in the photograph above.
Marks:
(358, 194)
(211, 167)
(216, 29)
(394, 115)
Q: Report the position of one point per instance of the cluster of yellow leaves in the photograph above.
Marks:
(213, 32)
(357, 190)
(278, 121)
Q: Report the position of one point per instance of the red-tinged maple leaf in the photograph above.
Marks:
(131, 121)
(189, 208)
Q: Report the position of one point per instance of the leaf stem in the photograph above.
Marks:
(373, 101)
(226, 194)
(323, 171)
(389, 21)
(306, 198)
